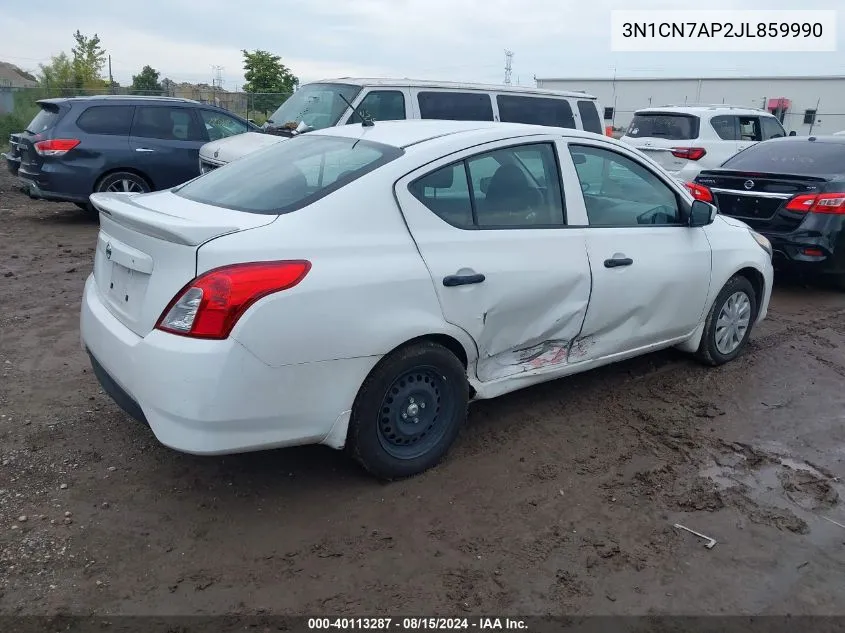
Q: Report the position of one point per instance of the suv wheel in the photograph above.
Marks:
(123, 181)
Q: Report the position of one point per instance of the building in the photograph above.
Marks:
(12, 78)
(802, 103)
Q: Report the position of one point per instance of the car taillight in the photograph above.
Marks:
(210, 306)
(818, 203)
(55, 146)
(699, 192)
(689, 153)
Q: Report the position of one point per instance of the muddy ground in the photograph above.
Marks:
(557, 499)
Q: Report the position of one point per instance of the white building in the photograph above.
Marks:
(817, 102)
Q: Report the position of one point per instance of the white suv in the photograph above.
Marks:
(687, 139)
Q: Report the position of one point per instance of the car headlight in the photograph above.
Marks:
(763, 241)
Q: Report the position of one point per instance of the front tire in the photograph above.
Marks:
(729, 323)
(409, 411)
(123, 181)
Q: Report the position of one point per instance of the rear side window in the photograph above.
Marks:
(45, 119)
(771, 128)
(811, 158)
(166, 123)
(589, 116)
(725, 126)
(456, 106)
(290, 175)
(113, 120)
(676, 127)
(535, 110)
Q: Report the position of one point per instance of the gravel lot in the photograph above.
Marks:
(557, 499)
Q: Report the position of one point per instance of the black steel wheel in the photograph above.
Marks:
(409, 411)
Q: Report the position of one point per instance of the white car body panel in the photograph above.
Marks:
(227, 149)
(290, 370)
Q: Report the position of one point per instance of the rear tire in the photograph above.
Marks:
(729, 323)
(123, 181)
(409, 411)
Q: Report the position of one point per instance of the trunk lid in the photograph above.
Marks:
(758, 198)
(147, 249)
(660, 151)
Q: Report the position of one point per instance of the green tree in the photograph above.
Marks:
(268, 79)
(89, 59)
(147, 82)
(57, 77)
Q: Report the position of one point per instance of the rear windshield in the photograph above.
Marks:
(289, 175)
(45, 119)
(813, 158)
(677, 127)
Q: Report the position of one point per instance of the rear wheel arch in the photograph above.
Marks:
(130, 170)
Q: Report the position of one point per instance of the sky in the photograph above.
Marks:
(460, 40)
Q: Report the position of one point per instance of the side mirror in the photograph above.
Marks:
(792, 133)
(702, 213)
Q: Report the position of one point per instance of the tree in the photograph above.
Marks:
(58, 76)
(268, 79)
(89, 59)
(146, 82)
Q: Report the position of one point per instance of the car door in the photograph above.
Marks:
(651, 272)
(490, 224)
(166, 140)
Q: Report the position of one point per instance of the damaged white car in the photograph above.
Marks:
(357, 286)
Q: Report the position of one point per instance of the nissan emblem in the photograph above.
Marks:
(749, 184)
(108, 251)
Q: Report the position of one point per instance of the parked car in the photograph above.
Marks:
(792, 190)
(686, 139)
(323, 104)
(76, 146)
(357, 286)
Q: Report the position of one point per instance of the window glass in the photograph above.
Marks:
(771, 128)
(792, 157)
(290, 175)
(446, 193)
(749, 129)
(676, 127)
(725, 127)
(219, 125)
(381, 105)
(113, 120)
(166, 123)
(620, 192)
(535, 110)
(318, 105)
(456, 106)
(589, 116)
(44, 120)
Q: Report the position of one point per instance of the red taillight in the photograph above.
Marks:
(699, 192)
(55, 146)
(210, 306)
(689, 153)
(818, 203)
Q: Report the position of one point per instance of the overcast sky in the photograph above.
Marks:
(431, 39)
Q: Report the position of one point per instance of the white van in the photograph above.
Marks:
(323, 104)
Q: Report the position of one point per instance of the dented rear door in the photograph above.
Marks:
(521, 293)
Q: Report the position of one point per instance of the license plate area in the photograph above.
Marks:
(120, 286)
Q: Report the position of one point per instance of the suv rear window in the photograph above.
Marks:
(45, 119)
(456, 106)
(290, 175)
(535, 110)
(112, 119)
(677, 127)
(811, 158)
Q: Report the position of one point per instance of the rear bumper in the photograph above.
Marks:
(12, 164)
(801, 253)
(215, 397)
(55, 187)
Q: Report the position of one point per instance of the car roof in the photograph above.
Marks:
(453, 85)
(121, 98)
(407, 133)
(827, 139)
(715, 109)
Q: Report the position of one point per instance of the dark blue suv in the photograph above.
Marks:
(77, 146)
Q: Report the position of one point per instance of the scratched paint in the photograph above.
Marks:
(514, 362)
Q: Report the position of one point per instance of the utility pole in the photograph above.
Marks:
(216, 82)
(508, 60)
(111, 79)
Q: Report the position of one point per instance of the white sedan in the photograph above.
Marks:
(357, 286)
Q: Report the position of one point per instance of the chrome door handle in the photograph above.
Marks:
(144, 149)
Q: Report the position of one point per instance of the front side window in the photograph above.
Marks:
(219, 125)
(589, 116)
(619, 191)
(318, 105)
(166, 123)
(455, 106)
(381, 105)
(726, 127)
(749, 129)
(290, 175)
(535, 110)
(515, 187)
